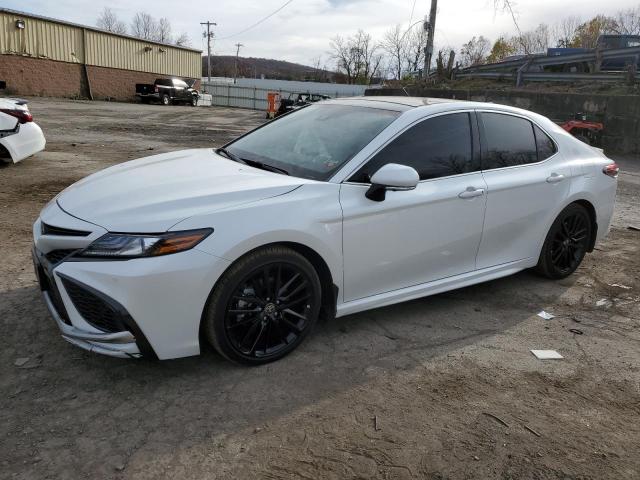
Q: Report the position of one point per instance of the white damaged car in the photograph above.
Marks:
(20, 136)
(339, 207)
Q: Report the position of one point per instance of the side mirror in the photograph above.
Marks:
(391, 176)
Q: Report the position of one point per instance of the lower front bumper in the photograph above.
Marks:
(119, 344)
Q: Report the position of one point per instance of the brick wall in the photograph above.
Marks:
(41, 77)
(620, 114)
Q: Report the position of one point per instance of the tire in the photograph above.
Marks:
(165, 99)
(566, 243)
(241, 319)
(194, 101)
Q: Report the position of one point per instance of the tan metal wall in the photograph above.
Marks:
(67, 43)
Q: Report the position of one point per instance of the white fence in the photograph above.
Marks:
(252, 93)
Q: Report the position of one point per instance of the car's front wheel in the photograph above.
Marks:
(264, 306)
(566, 243)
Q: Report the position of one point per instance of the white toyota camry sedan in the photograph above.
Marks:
(336, 208)
(20, 136)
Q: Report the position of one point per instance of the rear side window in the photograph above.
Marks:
(509, 141)
(436, 147)
(545, 145)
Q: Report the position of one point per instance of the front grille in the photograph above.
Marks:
(56, 256)
(94, 309)
(62, 232)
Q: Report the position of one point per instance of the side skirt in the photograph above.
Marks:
(432, 288)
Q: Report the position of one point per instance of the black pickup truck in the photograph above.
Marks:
(167, 91)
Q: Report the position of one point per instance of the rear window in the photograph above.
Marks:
(546, 146)
(509, 141)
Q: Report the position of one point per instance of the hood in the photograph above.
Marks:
(154, 193)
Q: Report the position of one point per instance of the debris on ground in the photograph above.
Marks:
(634, 228)
(546, 315)
(496, 418)
(604, 302)
(532, 430)
(21, 362)
(546, 354)
(576, 331)
(619, 285)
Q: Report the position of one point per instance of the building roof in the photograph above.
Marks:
(88, 27)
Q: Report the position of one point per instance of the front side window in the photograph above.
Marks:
(315, 141)
(179, 83)
(509, 141)
(436, 147)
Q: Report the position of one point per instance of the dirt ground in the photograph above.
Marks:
(443, 387)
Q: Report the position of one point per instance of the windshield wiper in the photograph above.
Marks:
(264, 166)
(251, 163)
(229, 155)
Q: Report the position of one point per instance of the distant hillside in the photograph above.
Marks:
(224, 65)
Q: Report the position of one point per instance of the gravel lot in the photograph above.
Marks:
(442, 387)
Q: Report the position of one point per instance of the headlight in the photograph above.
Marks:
(122, 245)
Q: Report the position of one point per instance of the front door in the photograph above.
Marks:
(421, 235)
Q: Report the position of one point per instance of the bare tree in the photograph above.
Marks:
(628, 21)
(163, 30)
(417, 40)
(344, 56)
(533, 41)
(474, 52)
(183, 40)
(144, 26)
(358, 57)
(395, 46)
(563, 32)
(109, 21)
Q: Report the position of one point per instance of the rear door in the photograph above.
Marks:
(527, 179)
(421, 235)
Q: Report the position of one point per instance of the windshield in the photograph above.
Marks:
(315, 141)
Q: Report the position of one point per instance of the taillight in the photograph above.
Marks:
(155, 89)
(611, 170)
(23, 116)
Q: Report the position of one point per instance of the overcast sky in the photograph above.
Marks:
(302, 30)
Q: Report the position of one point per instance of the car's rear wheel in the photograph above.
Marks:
(263, 307)
(566, 243)
(166, 100)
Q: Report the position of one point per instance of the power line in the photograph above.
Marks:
(258, 22)
(412, 10)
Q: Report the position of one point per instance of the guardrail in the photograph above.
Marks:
(544, 60)
(547, 76)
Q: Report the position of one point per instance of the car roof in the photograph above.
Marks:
(392, 102)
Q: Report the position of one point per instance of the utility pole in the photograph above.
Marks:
(430, 27)
(235, 75)
(209, 36)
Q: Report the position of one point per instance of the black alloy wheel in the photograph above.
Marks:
(566, 243)
(264, 306)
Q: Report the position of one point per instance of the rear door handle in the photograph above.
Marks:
(471, 192)
(555, 178)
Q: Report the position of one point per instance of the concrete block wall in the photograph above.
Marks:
(42, 77)
(620, 114)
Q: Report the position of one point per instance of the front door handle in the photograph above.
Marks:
(471, 192)
(555, 178)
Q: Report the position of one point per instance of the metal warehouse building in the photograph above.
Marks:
(44, 56)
